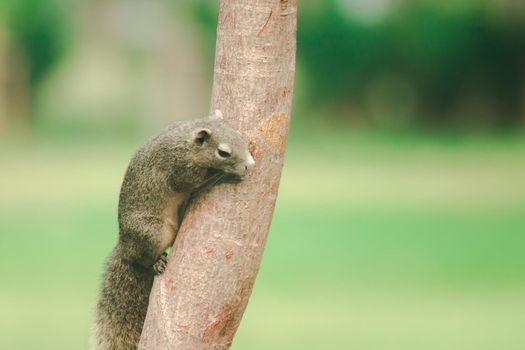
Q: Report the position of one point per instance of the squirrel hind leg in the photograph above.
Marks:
(160, 264)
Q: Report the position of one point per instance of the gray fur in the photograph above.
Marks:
(160, 180)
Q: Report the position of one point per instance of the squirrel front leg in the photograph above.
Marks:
(142, 241)
(161, 264)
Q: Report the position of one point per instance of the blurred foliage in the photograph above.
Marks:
(385, 64)
(39, 29)
(423, 64)
(443, 57)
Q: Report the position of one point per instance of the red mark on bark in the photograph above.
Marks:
(254, 150)
(246, 287)
(229, 255)
(220, 324)
(275, 129)
(265, 23)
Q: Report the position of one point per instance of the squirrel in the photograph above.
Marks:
(162, 177)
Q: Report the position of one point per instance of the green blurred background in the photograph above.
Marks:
(400, 222)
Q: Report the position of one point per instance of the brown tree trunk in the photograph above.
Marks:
(14, 84)
(199, 300)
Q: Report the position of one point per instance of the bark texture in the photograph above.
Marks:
(199, 300)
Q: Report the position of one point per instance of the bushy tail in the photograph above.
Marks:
(122, 305)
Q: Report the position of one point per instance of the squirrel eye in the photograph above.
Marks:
(223, 154)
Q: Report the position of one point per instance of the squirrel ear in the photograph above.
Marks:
(201, 135)
(217, 114)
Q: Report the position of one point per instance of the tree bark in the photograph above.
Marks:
(199, 300)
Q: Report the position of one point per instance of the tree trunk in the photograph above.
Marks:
(199, 300)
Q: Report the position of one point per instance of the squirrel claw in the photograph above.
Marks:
(161, 264)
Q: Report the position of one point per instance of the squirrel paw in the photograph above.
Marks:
(161, 264)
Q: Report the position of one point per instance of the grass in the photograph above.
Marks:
(374, 245)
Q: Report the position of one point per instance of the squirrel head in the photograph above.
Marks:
(219, 147)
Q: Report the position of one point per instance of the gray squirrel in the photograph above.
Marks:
(162, 177)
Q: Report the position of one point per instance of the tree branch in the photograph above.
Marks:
(199, 300)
